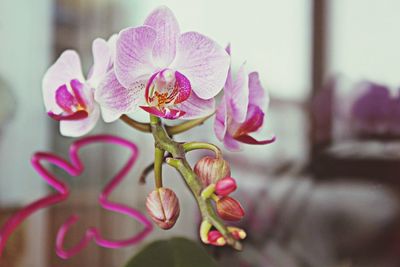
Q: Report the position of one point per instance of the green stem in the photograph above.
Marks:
(158, 161)
(145, 172)
(179, 162)
(171, 130)
(200, 145)
(183, 127)
(140, 126)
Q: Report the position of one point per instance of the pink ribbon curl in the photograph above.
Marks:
(75, 168)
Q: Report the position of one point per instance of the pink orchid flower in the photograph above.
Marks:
(68, 96)
(241, 110)
(166, 73)
(76, 168)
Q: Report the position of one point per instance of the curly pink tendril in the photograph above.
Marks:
(75, 168)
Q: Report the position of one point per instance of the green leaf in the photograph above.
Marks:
(175, 252)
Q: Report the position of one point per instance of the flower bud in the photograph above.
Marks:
(210, 170)
(216, 238)
(225, 186)
(229, 209)
(163, 206)
(237, 233)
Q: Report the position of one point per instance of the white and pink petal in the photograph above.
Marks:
(257, 95)
(116, 100)
(76, 128)
(102, 56)
(238, 95)
(164, 22)
(134, 55)
(231, 144)
(220, 123)
(195, 107)
(203, 62)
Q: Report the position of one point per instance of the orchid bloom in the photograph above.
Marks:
(76, 168)
(68, 96)
(166, 73)
(241, 110)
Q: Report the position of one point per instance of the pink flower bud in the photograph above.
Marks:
(225, 186)
(210, 170)
(163, 206)
(237, 233)
(216, 238)
(229, 209)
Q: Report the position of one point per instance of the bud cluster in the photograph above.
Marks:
(215, 175)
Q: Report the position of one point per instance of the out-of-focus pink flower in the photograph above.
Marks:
(68, 96)
(166, 73)
(375, 112)
(76, 168)
(163, 206)
(241, 110)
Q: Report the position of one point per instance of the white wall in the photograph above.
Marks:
(365, 40)
(25, 36)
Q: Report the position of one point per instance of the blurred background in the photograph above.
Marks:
(326, 194)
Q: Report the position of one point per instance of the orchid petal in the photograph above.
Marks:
(195, 107)
(66, 68)
(112, 44)
(101, 61)
(230, 143)
(115, 99)
(238, 95)
(220, 123)
(76, 128)
(228, 49)
(203, 62)
(257, 95)
(166, 113)
(229, 79)
(164, 22)
(134, 54)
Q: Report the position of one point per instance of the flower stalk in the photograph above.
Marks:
(171, 130)
(158, 161)
(178, 161)
(190, 146)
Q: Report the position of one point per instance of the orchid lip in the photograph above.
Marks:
(70, 96)
(78, 115)
(77, 87)
(167, 87)
(247, 139)
(165, 113)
